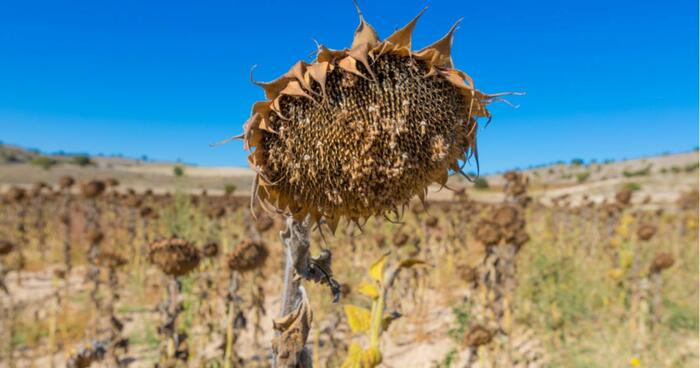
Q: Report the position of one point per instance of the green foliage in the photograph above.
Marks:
(481, 183)
(44, 162)
(229, 188)
(82, 160)
(177, 217)
(461, 314)
(582, 177)
(641, 172)
(448, 360)
(577, 162)
(633, 186)
(681, 317)
(691, 167)
(178, 171)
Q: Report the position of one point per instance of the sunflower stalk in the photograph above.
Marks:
(293, 326)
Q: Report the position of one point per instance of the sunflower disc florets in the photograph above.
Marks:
(361, 131)
(175, 257)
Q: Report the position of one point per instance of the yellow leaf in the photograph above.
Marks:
(376, 271)
(359, 318)
(407, 263)
(354, 356)
(367, 289)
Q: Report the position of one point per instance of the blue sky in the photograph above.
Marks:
(604, 79)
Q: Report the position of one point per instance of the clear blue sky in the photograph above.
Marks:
(605, 79)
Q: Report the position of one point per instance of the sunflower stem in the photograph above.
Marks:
(296, 242)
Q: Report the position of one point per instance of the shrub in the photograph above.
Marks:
(229, 188)
(44, 162)
(577, 162)
(582, 177)
(633, 186)
(641, 172)
(178, 170)
(82, 160)
(481, 183)
(691, 167)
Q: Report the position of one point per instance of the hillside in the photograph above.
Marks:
(659, 177)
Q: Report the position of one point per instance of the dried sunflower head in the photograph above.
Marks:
(646, 232)
(112, 182)
(360, 131)
(488, 232)
(66, 182)
(661, 261)
(431, 221)
(477, 336)
(95, 236)
(400, 239)
(175, 257)
(133, 201)
(624, 196)
(92, 188)
(6, 247)
(247, 256)
(15, 195)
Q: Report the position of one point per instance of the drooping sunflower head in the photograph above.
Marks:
(361, 131)
(174, 256)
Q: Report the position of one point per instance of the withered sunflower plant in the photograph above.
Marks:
(356, 133)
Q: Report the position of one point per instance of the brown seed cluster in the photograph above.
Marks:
(174, 256)
(247, 256)
(361, 131)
